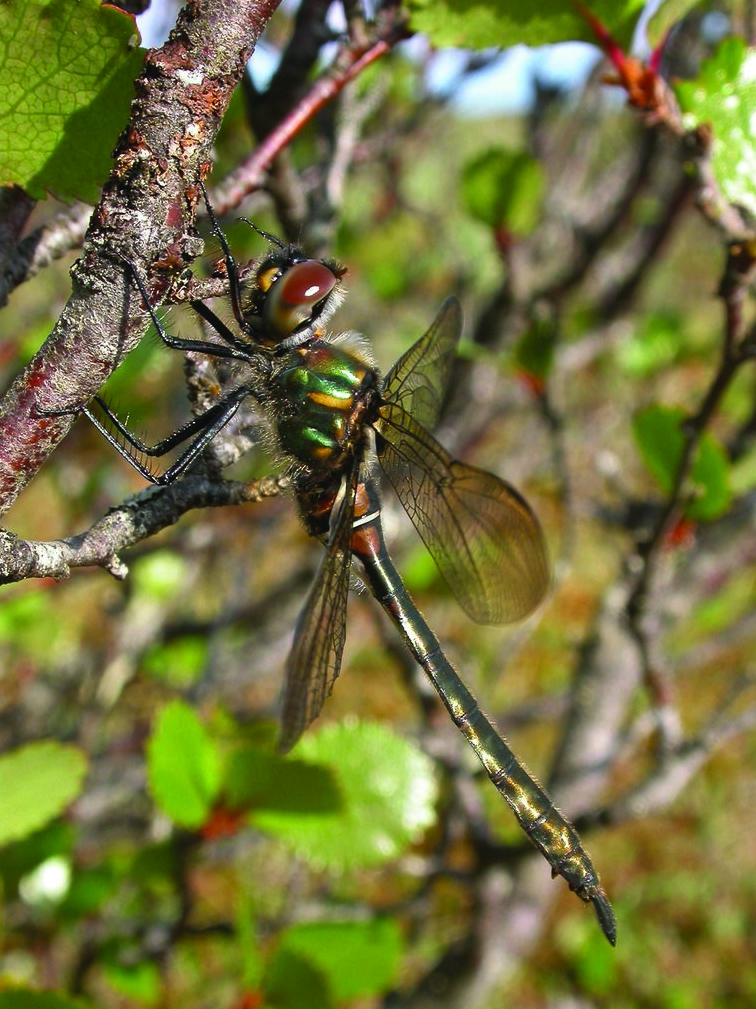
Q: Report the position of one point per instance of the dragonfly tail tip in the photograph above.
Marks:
(606, 917)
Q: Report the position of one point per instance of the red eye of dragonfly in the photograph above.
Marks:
(293, 298)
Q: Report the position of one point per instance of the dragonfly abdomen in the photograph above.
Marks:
(549, 831)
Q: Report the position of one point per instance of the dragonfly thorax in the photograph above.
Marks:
(324, 397)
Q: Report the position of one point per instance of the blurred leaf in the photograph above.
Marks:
(68, 72)
(139, 982)
(595, 966)
(534, 352)
(21, 619)
(291, 982)
(161, 575)
(250, 955)
(184, 766)
(394, 259)
(24, 998)
(419, 570)
(732, 601)
(37, 782)
(358, 958)
(660, 440)
(724, 95)
(388, 793)
(654, 343)
(154, 863)
(179, 662)
(667, 14)
(711, 481)
(89, 890)
(504, 188)
(20, 858)
(477, 24)
(659, 437)
(743, 474)
(266, 781)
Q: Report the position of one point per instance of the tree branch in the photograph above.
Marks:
(147, 207)
(140, 517)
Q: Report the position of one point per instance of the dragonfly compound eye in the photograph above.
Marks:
(295, 296)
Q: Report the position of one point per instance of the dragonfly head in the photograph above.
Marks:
(292, 296)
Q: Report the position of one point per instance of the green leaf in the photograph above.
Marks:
(89, 890)
(724, 95)
(660, 440)
(504, 188)
(160, 575)
(654, 342)
(711, 480)
(477, 24)
(24, 998)
(139, 982)
(21, 618)
(247, 946)
(291, 982)
(357, 958)
(259, 780)
(388, 793)
(22, 857)
(184, 766)
(667, 14)
(180, 662)
(534, 352)
(37, 782)
(67, 72)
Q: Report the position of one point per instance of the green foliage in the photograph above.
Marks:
(68, 70)
(22, 617)
(184, 766)
(660, 439)
(504, 188)
(480, 24)
(180, 662)
(356, 958)
(724, 95)
(160, 576)
(25, 998)
(666, 15)
(387, 790)
(37, 782)
(20, 858)
(266, 781)
(292, 978)
(715, 613)
(653, 344)
(596, 967)
(139, 982)
(534, 353)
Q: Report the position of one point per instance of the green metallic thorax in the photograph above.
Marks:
(321, 394)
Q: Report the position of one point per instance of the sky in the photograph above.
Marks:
(506, 86)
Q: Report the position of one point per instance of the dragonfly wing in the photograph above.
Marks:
(314, 661)
(481, 533)
(419, 379)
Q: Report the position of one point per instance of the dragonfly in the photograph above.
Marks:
(332, 413)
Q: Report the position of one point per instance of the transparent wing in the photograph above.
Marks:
(314, 661)
(481, 533)
(419, 379)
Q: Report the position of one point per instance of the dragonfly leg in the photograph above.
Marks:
(236, 348)
(202, 428)
(231, 267)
